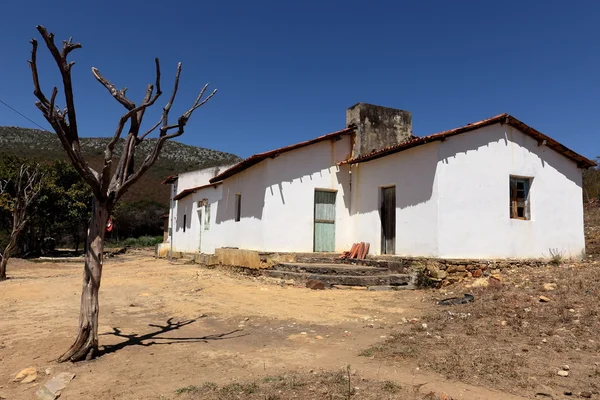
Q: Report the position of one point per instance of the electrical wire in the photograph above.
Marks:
(24, 116)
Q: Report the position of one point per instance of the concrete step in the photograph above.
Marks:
(334, 259)
(396, 266)
(331, 269)
(348, 280)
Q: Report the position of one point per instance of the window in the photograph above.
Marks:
(238, 206)
(206, 216)
(184, 221)
(519, 198)
(204, 205)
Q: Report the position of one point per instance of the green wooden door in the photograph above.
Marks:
(324, 239)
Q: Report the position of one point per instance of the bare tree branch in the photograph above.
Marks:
(167, 107)
(65, 71)
(108, 185)
(119, 95)
(51, 108)
(135, 117)
(69, 46)
(164, 132)
(27, 187)
(66, 131)
(140, 138)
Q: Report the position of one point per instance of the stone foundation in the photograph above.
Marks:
(435, 269)
(454, 270)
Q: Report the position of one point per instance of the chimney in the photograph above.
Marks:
(378, 127)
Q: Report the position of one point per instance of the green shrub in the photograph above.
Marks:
(144, 241)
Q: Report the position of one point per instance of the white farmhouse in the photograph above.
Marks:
(496, 188)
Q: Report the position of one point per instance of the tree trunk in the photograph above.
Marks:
(3, 263)
(86, 343)
(10, 247)
(76, 240)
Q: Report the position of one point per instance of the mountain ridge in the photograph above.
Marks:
(175, 157)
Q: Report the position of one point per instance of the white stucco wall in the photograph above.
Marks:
(199, 177)
(277, 210)
(188, 180)
(413, 173)
(196, 238)
(452, 198)
(473, 210)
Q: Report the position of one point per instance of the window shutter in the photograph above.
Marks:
(513, 199)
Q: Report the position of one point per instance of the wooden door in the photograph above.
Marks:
(324, 233)
(388, 220)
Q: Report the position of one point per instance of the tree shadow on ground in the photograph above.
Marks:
(152, 338)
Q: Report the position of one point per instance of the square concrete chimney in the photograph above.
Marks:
(378, 127)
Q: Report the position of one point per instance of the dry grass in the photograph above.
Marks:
(508, 338)
(592, 229)
(342, 385)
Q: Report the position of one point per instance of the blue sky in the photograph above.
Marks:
(287, 70)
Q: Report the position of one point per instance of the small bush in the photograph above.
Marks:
(210, 386)
(390, 387)
(556, 257)
(144, 241)
(188, 389)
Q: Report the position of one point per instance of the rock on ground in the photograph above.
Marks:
(54, 387)
(315, 284)
(27, 373)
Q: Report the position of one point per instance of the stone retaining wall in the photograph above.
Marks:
(436, 269)
(454, 270)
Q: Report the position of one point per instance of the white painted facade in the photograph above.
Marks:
(189, 240)
(194, 236)
(200, 177)
(452, 199)
(277, 200)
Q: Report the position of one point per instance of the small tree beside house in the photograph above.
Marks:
(19, 186)
(110, 182)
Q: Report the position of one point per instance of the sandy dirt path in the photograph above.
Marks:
(165, 326)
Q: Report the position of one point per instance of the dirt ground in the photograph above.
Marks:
(177, 331)
(524, 328)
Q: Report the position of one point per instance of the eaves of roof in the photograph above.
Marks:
(255, 159)
(186, 192)
(582, 162)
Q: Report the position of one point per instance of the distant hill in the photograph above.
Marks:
(174, 158)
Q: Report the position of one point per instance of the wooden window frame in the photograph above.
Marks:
(200, 205)
(238, 207)
(207, 216)
(517, 202)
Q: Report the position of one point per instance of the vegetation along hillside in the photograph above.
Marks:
(175, 158)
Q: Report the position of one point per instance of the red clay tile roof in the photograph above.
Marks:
(186, 192)
(255, 159)
(581, 161)
(169, 179)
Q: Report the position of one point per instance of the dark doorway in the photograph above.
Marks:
(388, 220)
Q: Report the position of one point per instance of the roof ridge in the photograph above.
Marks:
(256, 158)
(500, 118)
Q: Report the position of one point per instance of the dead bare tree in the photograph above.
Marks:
(107, 184)
(17, 200)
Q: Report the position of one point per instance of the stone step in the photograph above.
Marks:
(316, 258)
(331, 269)
(393, 265)
(348, 280)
